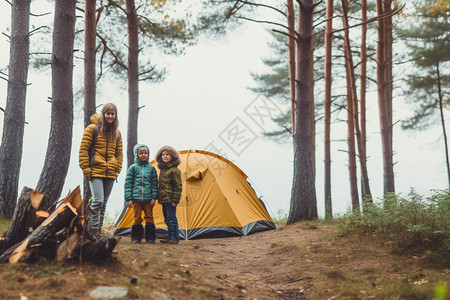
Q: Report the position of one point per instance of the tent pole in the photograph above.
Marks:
(186, 199)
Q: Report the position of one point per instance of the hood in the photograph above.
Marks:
(95, 118)
(135, 151)
(175, 158)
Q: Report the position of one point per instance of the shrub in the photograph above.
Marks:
(415, 223)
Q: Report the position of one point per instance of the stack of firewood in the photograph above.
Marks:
(60, 235)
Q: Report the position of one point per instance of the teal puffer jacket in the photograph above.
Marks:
(141, 182)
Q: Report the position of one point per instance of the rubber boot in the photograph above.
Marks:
(150, 233)
(136, 233)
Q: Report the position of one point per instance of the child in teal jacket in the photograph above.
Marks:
(141, 192)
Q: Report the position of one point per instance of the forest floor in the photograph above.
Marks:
(301, 261)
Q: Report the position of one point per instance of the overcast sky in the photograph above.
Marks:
(206, 93)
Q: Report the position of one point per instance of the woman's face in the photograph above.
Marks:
(110, 116)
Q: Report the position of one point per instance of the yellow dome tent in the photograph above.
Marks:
(216, 201)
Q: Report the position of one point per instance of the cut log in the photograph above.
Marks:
(59, 235)
(41, 215)
(74, 198)
(59, 219)
(23, 217)
(100, 250)
(68, 247)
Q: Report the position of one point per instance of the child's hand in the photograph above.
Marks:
(152, 202)
(130, 204)
(174, 204)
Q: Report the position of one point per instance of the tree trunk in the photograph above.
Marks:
(51, 180)
(389, 88)
(303, 199)
(444, 132)
(327, 109)
(14, 117)
(363, 89)
(291, 45)
(133, 79)
(384, 104)
(89, 72)
(351, 151)
(351, 80)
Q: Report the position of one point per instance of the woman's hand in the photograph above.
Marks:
(87, 176)
(130, 204)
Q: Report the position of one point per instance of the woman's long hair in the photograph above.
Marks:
(109, 130)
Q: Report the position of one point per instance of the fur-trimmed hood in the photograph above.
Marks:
(175, 158)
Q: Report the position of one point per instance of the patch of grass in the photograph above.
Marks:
(281, 218)
(284, 249)
(335, 275)
(413, 224)
(4, 224)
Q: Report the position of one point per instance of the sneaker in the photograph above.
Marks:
(150, 241)
(136, 241)
(163, 241)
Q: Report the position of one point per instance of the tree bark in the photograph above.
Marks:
(389, 89)
(24, 216)
(384, 103)
(14, 116)
(89, 72)
(291, 45)
(55, 222)
(351, 80)
(363, 89)
(133, 79)
(327, 109)
(100, 250)
(441, 113)
(303, 199)
(51, 180)
(351, 151)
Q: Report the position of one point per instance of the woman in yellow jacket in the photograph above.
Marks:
(100, 158)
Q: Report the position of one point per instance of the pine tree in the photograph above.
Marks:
(428, 41)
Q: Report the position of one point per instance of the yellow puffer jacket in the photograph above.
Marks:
(107, 162)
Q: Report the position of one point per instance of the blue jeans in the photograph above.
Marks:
(170, 218)
(100, 189)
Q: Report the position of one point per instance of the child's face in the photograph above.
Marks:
(110, 116)
(143, 155)
(166, 157)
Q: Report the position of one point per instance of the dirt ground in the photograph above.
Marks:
(302, 261)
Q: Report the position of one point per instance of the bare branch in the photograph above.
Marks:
(381, 17)
(262, 5)
(40, 15)
(146, 72)
(269, 22)
(116, 58)
(35, 30)
(287, 34)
